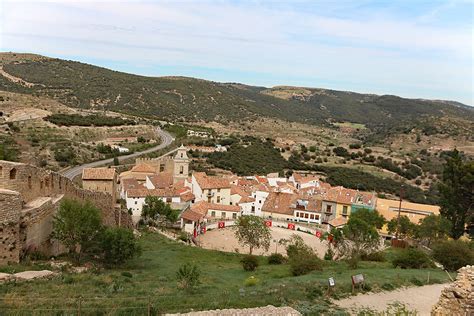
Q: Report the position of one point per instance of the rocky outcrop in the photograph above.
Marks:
(458, 298)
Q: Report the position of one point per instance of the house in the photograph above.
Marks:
(127, 184)
(195, 218)
(159, 181)
(345, 200)
(101, 180)
(302, 181)
(211, 189)
(135, 199)
(139, 172)
(414, 211)
(278, 205)
(307, 210)
(364, 200)
(120, 149)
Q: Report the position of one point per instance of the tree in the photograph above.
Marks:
(457, 193)
(358, 237)
(251, 231)
(433, 228)
(118, 245)
(371, 217)
(116, 161)
(157, 210)
(406, 229)
(77, 226)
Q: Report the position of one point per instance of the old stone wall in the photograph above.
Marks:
(29, 198)
(10, 208)
(458, 298)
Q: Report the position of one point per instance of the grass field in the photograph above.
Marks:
(153, 285)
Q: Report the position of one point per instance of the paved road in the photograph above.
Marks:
(166, 140)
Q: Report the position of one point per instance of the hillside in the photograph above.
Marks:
(85, 86)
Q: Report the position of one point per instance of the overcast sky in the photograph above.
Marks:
(414, 48)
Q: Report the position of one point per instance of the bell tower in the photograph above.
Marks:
(181, 164)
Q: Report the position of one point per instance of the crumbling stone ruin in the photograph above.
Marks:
(29, 198)
(458, 298)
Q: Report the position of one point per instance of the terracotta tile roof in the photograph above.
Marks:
(161, 180)
(140, 193)
(98, 174)
(234, 189)
(188, 196)
(346, 196)
(247, 199)
(130, 183)
(192, 216)
(300, 178)
(278, 202)
(338, 221)
(367, 198)
(143, 168)
(208, 182)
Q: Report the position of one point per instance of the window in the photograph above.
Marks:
(260, 202)
(344, 210)
(13, 174)
(136, 202)
(213, 214)
(234, 215)
(222, 214)
(306, 215)
(218, 199)
(162, 167)
(329, 208)
(230, 203)
(253, 209)
(168, 200)
(208, 199)
(311, 216)
(297, 214)
(218, 190)
(181, 170)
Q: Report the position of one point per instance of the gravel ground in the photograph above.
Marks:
(420, 298)
(224, 240)
(258, 311)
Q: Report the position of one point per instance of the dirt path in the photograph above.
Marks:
(420, 298)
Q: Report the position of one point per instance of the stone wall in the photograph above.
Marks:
(458, 298)
(29, 198)
(10, 208)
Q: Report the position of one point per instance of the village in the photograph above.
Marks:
(300, 202)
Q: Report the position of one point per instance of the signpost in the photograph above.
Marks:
(221, 225)
(357, 280)
(331, 285)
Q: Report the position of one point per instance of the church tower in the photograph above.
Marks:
(181, 164)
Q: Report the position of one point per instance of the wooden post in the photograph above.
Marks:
(428, 281)
(149, 307)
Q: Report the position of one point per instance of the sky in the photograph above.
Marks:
(413, 48)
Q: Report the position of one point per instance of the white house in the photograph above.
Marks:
(135, 199)
(211, 189)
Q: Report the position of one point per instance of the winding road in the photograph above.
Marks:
(166, 140)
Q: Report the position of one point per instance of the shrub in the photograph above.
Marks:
(183, 236)
(329, 255)
(188, 276)
(251, 281)
(453, 254)
(119, 245)
(276, 258)
(249, 262)
(314, 291)
(126, 274)
(412, 259)
(378, 256)
(416, 281)
(304, 264)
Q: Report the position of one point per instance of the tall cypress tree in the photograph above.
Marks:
(457, 193)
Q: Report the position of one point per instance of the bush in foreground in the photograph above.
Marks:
(453, 254)
(188, 276)
(276, 258)
(412, 259)
(249, 262)
(119, 245)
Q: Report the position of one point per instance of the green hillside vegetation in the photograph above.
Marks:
(86, 86)
(87, 120)
(249, 156)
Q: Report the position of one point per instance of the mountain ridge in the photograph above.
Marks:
(84, 85)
